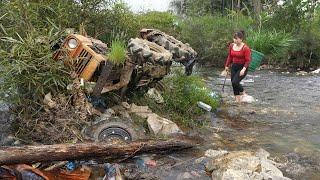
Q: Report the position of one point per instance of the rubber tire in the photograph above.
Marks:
(95, 130)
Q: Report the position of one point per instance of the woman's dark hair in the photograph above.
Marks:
(240, 34)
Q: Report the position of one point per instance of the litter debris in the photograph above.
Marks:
(71, 165)
(151, 163)
(204, 106)
(23, 171)
(140, 164)
(112, 172)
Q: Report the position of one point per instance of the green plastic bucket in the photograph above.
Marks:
(256, 58)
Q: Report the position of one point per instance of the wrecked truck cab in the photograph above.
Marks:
(78, 52)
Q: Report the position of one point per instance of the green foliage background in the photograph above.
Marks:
(288, 35)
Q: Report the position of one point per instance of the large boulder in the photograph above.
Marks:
(162, 126)
(243, 165)
(156, 124)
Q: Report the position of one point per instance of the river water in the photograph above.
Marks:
(285, 119)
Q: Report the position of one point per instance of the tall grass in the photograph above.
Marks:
(28, 71)
(117, 54)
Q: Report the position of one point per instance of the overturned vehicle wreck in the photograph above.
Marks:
(148, 59)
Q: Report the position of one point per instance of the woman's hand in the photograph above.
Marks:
(243, 70)
(226, 69)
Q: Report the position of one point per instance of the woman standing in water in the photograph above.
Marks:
(239, 58)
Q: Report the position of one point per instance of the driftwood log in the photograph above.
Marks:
(86, 151)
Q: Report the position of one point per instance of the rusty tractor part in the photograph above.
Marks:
(182, 53)
(148, 60)
(79, 52)
(150, 52)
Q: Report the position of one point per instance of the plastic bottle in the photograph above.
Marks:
(204, 106)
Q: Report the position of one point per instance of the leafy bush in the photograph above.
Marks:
(301, 20)
(275, 45)
(163, 21)
(28, 71)
(210, 35)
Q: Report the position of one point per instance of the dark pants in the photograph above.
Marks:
(236, 78)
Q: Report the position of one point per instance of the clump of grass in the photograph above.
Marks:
(181, 97)
(185, 92)
(117, 54)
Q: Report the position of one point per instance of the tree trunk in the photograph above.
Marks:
(84, 151)
(257, 7)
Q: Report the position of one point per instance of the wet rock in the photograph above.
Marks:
(154, 94)
(295, 169)
(157, 124)
(301, 73)
(316, 71)
(263, 154)
(233, 113)
(244, 165)
(247, 80)
(162, 126)
(247, 99)
(230, 174)
(7, 140)
(200, 160)
(265, 66)
(5, 122)
(268, 167)
(215, 153)
(185, 176)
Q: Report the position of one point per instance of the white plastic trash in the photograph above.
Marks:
(204, 106)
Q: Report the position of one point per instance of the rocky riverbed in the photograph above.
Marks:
(276, 136)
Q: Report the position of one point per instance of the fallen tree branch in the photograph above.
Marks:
(86, 151)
